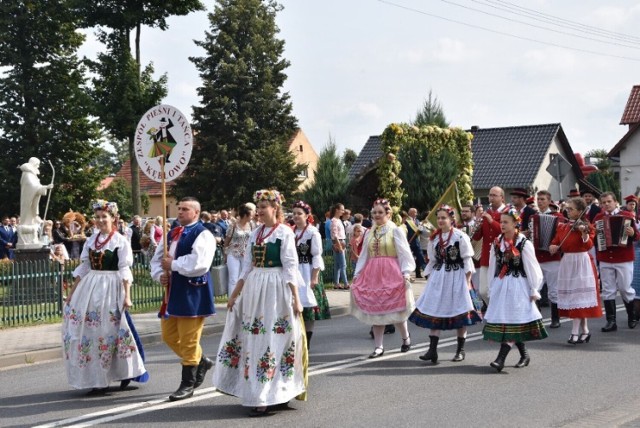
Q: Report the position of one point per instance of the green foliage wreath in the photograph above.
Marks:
(435, 139)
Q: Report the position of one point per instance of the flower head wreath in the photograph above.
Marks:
(270, 195)
(383, 202)
(513, 213)
(103, 205)
(303, 206)
(446, 208)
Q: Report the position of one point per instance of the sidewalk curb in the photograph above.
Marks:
(40, 356)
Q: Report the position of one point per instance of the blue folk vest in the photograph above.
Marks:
(190, 296)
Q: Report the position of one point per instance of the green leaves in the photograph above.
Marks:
(330, 181)
(44, 107)
(243, 124)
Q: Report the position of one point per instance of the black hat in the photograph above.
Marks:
(519, 191)
(573, 193)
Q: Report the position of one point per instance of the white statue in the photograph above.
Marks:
(30, 192)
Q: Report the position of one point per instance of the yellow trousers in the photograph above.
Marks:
(182, 335)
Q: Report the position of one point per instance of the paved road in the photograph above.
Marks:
(594, 384)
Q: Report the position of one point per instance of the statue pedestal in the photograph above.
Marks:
(39, 253)
(35, 279)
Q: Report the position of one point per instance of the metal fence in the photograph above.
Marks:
(34, 291)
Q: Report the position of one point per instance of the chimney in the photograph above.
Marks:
(475, 128)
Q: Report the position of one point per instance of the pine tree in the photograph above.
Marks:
(330, 182)
(431, 113)
(44, 106)
(244, 122)
(426, 176)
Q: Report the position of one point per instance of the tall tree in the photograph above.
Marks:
(349, 157)
(244, 120)
(425, 176)
(330, 182)
(604, 178)
(431, 113)
(123, 17)
(44, 106)
(122, 96)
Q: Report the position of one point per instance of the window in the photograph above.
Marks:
(301, 148)
(304, 173)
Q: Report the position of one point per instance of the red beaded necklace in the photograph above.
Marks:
(260, 238)
(299, 237)
(443, 244)
(99, 245)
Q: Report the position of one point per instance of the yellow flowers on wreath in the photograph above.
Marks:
(435, 139)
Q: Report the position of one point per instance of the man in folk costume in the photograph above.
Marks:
(519, 198)
(413, 236)
(185, 273)
(549, 263)
(616, 265)
(468, 225)
(488, 231)
(631, 205)
(592, 208)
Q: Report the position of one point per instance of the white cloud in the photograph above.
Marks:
(365, 110)
(444, 50)
(449, 50)
(613, 17)
(412, 56)
(547, 61)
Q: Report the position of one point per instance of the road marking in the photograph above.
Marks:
(130, 410)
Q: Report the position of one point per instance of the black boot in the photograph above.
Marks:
(498, 364)
(524, 356)
(460, 350)
(185, 390)
(544, 297)
(432, 353)
(631, 315)
(309, 334)
(555, 318)
(204, 365)
(610, 313)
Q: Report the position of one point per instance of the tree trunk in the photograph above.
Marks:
(135, 178)
(135, 171)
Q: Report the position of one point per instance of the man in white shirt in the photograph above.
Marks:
(184, 271)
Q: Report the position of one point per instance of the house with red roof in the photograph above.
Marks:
(626, 152)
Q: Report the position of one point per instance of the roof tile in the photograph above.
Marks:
(631, 113)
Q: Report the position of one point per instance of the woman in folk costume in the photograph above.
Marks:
(381, 292)
(262, 354)
(578, 290)
(99, 339)
(309, 247)
(446, 302)
(514, 284)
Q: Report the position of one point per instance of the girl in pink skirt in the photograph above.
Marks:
(381, 293)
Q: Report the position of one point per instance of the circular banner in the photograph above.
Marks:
(163, 133)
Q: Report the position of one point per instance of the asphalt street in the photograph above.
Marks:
(592, 384)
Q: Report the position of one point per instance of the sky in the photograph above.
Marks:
(359, 65)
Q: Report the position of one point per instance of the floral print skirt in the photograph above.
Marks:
(261, 358)
(99, 346)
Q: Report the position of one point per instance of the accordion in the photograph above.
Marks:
(476, 245)
(542, 228)
(611, 231)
